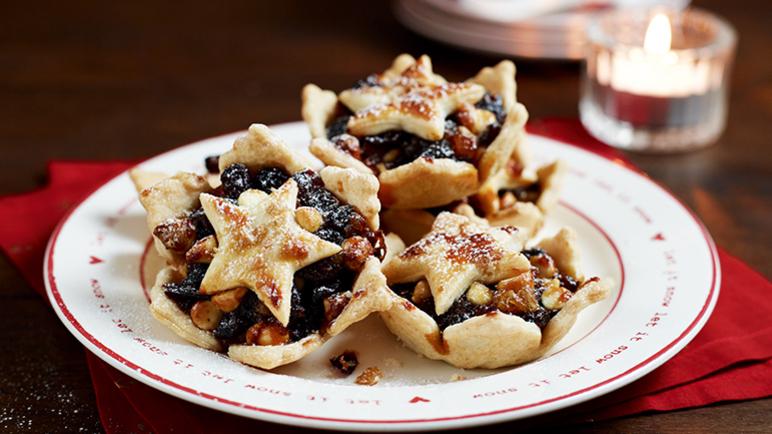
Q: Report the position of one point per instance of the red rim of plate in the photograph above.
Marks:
(629, 375)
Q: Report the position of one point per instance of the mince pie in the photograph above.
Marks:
(272, 262)
(429, 141)
(472, 295)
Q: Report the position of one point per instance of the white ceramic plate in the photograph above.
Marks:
(658, 259)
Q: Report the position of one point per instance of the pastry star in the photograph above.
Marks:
(261, 246)
(415, 100)
(457, 252)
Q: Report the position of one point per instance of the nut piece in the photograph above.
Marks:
(421, 293)
(369, 377)
(205, 315)
(267, 333)
(516, 295)
(349, 144)
(309, 218)
(464, 143)
(507, 200)
(334, 305)
(545, 266)
(391, 155)
(228, 301)
(479, 294)
(176, 234)
(555, 296)
(202, 251)
(345, 362)
(476, 120)
(355, 251)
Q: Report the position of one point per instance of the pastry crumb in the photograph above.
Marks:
(369, 377)
(457, 377)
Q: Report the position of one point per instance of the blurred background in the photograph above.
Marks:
(103, 80)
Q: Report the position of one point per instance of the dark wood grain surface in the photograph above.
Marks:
(126, 80)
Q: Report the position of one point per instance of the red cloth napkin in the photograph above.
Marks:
(730, 359)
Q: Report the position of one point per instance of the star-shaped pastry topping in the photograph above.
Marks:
(415, 100)
(261, 246)
(457, 252)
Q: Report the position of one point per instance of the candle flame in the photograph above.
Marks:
(658, 35)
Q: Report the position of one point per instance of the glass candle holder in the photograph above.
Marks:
(657, 80)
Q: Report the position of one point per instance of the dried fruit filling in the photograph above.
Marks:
(395, 148)
(320, 290)
(536, 295)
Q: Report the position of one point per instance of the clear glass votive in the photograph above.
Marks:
(657, 80)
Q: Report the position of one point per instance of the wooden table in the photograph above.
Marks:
(109, 80)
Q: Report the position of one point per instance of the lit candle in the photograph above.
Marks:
(662, 88)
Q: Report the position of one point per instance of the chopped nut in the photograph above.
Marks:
(369, 377)
(355, 251)
(421, 293)
(464, 144)
(349, 144)
(176, 234)
(205, 315)
(345, 362)
(476, 120)
(202, 251)
(334, 305)
(545, 266)
(507, 200)
(309, 218)
(479, 294)
(516, 295)
(228, 301)
(267, 333)
(555, 296)
(391, 155)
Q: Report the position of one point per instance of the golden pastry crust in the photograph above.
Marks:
(326, 151)
(477, 342)
(507, 142)
(168, 198)
(457, 252)
(383, 107)
(414, 100)
(499, 80)
(427, 183)
(528, 216)
(260, 148)
(174, 318)
(358, 189)
(409, 224)
(273, 356)
(318, 108)
(261, 246)
(143, 179)
(369, 294)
